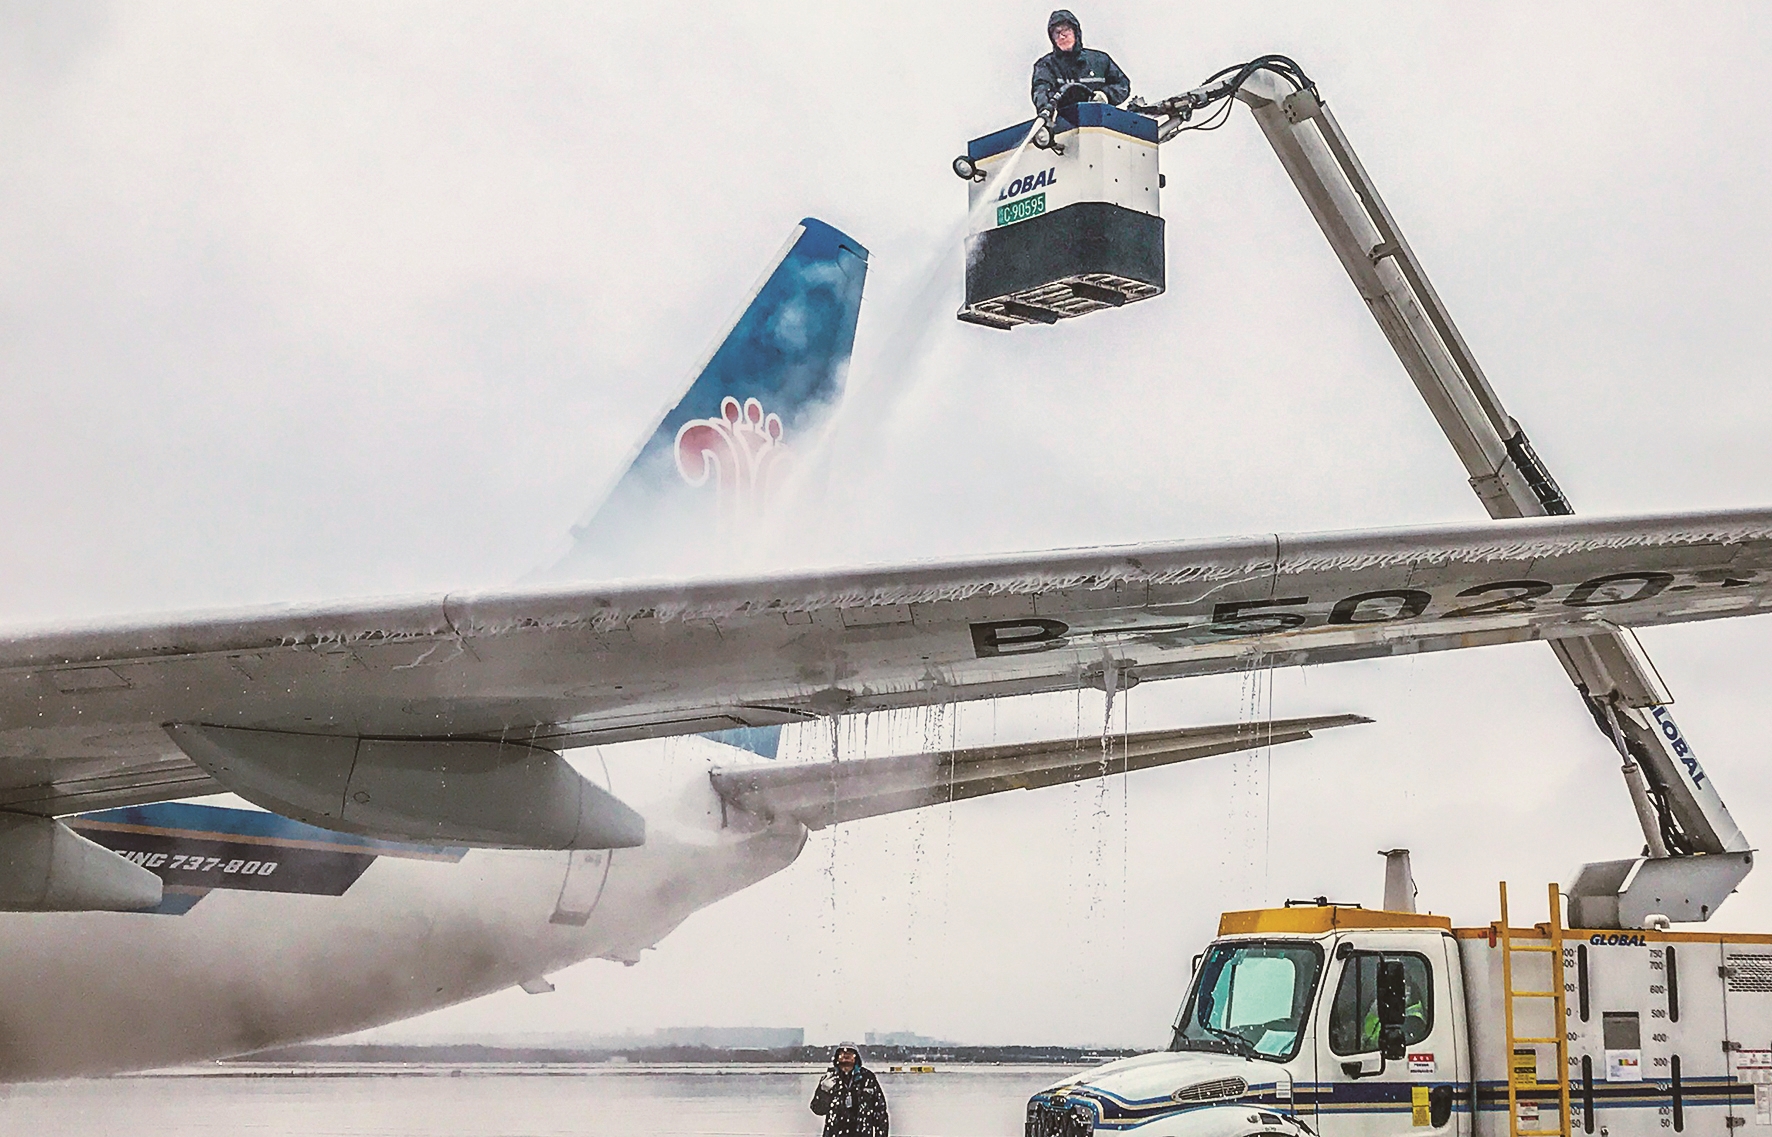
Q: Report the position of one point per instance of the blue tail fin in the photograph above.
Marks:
(712, 460)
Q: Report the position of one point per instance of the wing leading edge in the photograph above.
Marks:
(590, 664)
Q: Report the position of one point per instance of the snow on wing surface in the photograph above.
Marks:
(599, 663)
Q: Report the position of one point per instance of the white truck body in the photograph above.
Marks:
(1666, 1032)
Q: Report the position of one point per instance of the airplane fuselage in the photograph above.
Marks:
(100, 992)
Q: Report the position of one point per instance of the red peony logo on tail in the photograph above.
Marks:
(740, 451)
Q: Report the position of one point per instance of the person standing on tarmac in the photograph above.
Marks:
(1071, 73)
(850, 1099)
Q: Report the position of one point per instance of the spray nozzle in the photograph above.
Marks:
(1044, 140)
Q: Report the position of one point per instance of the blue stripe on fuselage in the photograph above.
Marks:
(195, 848)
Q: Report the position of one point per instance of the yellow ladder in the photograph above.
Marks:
(1558, 1016)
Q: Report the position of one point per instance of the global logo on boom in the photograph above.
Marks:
(1682, 750)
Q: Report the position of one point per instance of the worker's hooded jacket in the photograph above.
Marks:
(853, 1104)
(1095, 70)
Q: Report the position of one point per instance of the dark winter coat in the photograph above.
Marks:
(1096, 70)
(852, 1104)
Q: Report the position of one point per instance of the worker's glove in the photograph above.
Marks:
(1049, 113)
(828, 1084)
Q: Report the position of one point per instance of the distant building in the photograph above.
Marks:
(730, 1037)
(900, 1038)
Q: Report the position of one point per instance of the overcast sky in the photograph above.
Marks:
(322, 300)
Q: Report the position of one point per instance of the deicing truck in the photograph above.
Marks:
(1347, 1022)
(1330, 1018)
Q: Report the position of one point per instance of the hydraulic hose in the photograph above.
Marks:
(1222, 85)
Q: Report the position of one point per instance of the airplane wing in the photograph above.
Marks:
(818, 794)
(84, 711)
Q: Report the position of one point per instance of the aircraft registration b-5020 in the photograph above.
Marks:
(420, 840)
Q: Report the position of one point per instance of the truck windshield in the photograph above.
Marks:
(1250, 998)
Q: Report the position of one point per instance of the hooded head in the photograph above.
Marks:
(840, 1050)
(1060, 18)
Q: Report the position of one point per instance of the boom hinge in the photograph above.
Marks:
(1538, 479)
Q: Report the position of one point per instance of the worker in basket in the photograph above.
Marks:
(1071, 73)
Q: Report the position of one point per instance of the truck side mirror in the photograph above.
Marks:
(1390, 1008)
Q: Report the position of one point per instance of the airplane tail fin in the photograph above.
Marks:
(708, 467)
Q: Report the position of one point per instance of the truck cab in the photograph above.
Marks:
(1281, 1025)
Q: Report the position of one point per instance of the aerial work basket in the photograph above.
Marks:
(1065, 228)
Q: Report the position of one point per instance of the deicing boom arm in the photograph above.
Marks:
(1675, 799)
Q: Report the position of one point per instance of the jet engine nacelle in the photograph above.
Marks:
(47, 867)
(454, 792)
